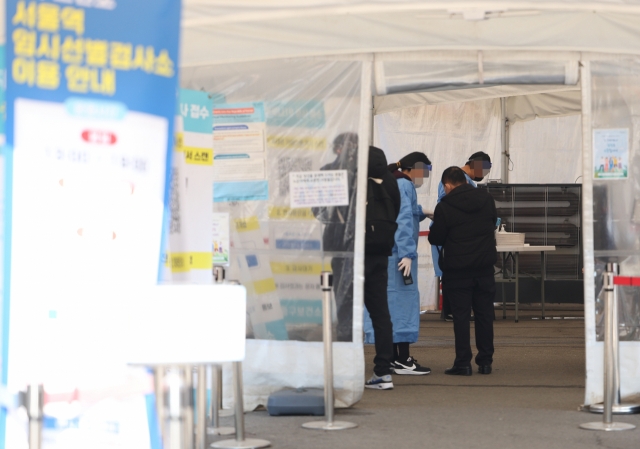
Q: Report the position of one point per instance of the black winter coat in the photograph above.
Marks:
(340, 221)
(377, 169)
(464, 223)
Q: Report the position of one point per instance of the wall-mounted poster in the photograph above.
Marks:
(318, 188)
(610, 153)
(221, 238)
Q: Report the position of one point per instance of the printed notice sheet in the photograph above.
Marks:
(318, 188)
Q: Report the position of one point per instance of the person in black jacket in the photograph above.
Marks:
(463, 225)
(376, 261)
(339, 232)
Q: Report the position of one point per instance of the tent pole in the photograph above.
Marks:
(504, 141)
(594, 383)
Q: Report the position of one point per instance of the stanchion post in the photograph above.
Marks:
(188, 430)
(34, 403)
(326, 281)
(214, 427)
(176, 406)
(618, 407)
(201, 404)
(610, 356)
(158, 386)
(240, 441)
(218, 274)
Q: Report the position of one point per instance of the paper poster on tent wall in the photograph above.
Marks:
(239, 142)
(221, 240)
(318, 188)
(610, 153)
(91, 100)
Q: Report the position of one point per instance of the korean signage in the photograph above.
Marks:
(91, 102)
(188, 254)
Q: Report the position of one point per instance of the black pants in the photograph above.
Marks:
(464, 295)
(342, 268)
(446, 306)
(375, 299)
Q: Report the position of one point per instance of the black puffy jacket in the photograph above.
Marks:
(464, 225)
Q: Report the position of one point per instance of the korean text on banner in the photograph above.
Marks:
(189, 247)
(91, 101)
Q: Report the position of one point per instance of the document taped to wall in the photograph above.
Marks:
(318, 188)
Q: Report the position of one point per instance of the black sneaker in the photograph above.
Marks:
(410, 367)
(448, 317)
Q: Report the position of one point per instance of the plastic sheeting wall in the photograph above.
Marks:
(300, 107)
(448, 134)
(615, 90)
(545, 150)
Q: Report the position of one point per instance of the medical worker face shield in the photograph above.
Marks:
(479, 168)
(419, 172)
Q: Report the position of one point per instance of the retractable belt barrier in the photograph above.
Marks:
(612, 404)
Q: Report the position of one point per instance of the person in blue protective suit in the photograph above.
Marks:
(402, 287)
(475, 169)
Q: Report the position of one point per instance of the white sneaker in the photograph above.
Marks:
(379, 383)
(410, 367)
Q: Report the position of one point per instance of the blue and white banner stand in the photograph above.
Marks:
(91, 101)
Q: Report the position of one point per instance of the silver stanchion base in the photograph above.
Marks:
(220, 430)
(249, 443)
(324, 425)
(625, 408)
(607, 427)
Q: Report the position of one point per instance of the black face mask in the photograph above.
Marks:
(478, 179)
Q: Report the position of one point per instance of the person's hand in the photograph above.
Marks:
(429, 214)
(405, 266)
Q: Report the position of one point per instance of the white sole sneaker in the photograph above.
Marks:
(380, 386)
(410, 372)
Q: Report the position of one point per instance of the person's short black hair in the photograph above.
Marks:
(454, 176)
(345, 142)
(478, 156)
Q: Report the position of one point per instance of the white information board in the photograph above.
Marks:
(318, 188)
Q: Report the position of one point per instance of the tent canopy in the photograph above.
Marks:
(222, 31)
(524, 102)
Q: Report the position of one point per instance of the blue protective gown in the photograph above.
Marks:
(404, 300)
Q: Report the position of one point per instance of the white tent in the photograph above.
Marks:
(548, 59)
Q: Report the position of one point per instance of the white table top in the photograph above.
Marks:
(523, 249)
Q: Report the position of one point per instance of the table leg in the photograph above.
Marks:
(542, 277)
(504, 276)
(516, 255)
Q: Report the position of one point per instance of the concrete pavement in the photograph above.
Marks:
(530, 400)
